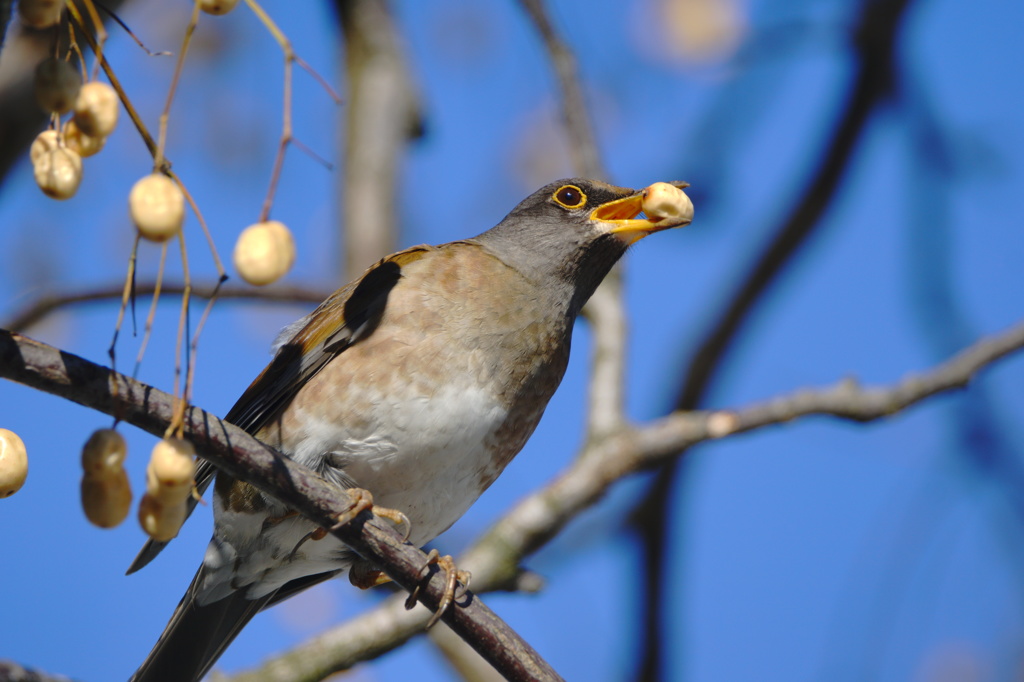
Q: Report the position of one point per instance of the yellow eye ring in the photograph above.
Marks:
(569, 196)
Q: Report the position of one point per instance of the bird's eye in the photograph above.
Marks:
(570, 196)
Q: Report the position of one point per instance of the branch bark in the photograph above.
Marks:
(233, 450)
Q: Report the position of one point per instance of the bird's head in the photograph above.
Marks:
(571, 232)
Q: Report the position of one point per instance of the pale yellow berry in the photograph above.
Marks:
(106, 492)
(104, 453)
(171, 471)
(58, 172)
(40, 13)
(157, 207)
(80, 143)
(160, 521)
(44, 142)
(13, 463)
(665, 202)
(264, 252)
(96, 109)
(217, 7)
(56, 85)
(107, 500)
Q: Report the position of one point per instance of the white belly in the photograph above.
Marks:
(432, 466)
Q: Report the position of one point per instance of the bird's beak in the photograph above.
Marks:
(619, 217)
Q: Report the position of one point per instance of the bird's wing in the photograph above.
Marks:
(303, 349)
(348, 315)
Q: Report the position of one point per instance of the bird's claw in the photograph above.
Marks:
(364, 501)
(453, 578)
(365, 575)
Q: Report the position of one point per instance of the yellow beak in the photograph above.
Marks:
(620, 217)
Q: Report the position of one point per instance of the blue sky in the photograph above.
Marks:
(814, 550)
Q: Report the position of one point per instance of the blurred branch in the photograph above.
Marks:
(12, 672)
(39, 309)
(5, 19)
(874, 41)
(582, 145)
(233, 450)
(604, 311)
(382, 116)
(495, 559)
(21, 119)
(463, 660)
(848, 400)
(538, 518)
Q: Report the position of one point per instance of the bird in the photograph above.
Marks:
(418, 382)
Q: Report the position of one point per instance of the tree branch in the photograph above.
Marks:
(236, 452)
(35, 311)
(604, 311)
(383, 114)
(12, 672)
(582, 145)
(495, 558)
(874, 40)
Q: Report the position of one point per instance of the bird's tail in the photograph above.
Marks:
(197, 635)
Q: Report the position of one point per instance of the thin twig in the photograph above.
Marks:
(221, 272)
(130, 33)
(133, 114)
(176, 424)
(287, 135)
(101, 36)
(151, 317)
(286, 105)
(36, 311)
(158, 157)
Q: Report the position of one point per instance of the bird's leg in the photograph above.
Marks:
(453, 577)
(364, 501)
(335, 464)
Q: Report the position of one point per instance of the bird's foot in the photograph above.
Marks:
(364, 575)
(363, 501)
(453, 577)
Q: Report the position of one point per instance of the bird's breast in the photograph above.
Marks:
(430, 408)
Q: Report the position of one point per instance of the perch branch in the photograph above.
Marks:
(495, 559)
(233, 450)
